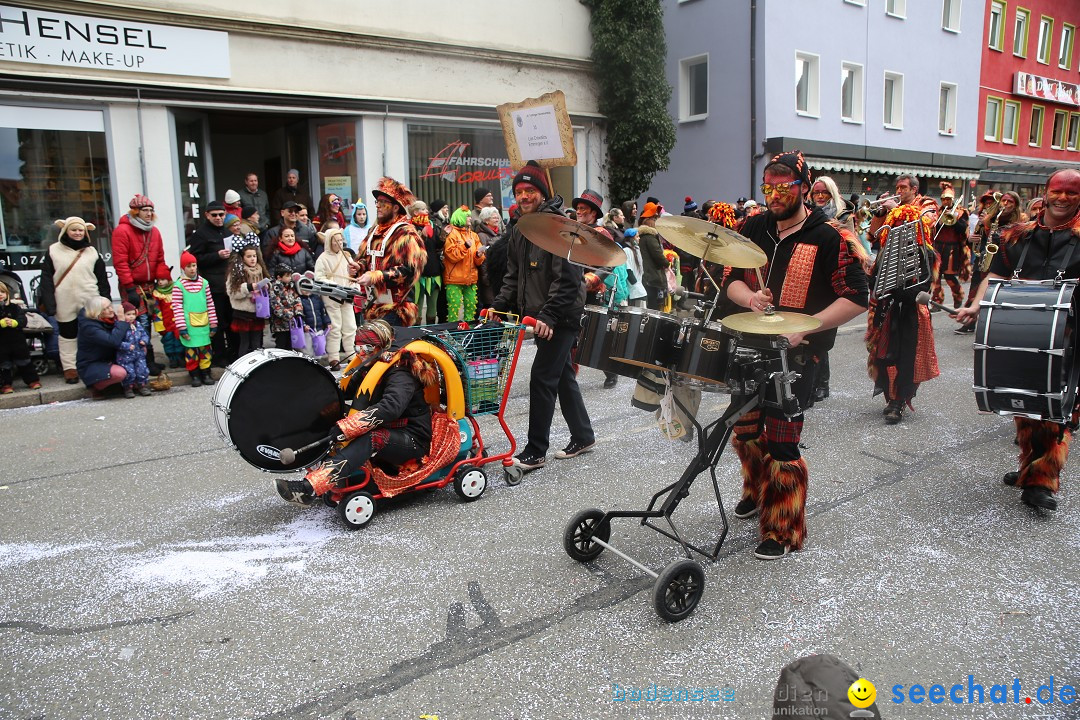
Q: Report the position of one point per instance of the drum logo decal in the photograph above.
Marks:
(709, 344)
(1017, 403)
(624, 326)
(269, 451)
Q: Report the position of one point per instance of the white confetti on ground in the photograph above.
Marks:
(12, 554)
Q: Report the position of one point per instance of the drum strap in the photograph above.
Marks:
(1061, 270)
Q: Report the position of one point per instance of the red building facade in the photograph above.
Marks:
(1029, 95)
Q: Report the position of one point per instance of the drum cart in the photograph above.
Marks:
(757, 375)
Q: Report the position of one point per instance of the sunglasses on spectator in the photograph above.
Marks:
(782, 188)
(215, 214)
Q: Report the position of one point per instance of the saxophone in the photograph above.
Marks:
(989, 247)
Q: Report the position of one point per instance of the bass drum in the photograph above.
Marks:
(596, 338)
(644, 339)
(704, 352)
(271, 399)
(1025, 350)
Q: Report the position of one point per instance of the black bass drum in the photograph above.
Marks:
(596, 338)
(1025, 349)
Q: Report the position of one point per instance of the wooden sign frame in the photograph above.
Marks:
(550, 117)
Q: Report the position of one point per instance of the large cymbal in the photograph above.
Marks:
(710, 241)
(560, 235)
(774, 323)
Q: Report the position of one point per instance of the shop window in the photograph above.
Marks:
(947, 109)
(1010, 122)
(1068, 32)
(1035, 133)
(694, 88)
(1020, 32)
(851, 93)
(893, 110)
(994, 27)
(449, 163)
(46, 174)
(338, 163)
(992, 123)
(1046, 31)
(950, 15)
(1074, 131)
(807, 84)
(1057, 138)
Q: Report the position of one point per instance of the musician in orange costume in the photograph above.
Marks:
(810, 270)
(1038, 250)
(951, 243)
(899, 335)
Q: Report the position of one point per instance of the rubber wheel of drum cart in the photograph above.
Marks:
(512, 475)
(470, 483)
(356, 509)
(576, 544)
(678, 589)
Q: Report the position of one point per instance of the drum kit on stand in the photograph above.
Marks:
(744, 354)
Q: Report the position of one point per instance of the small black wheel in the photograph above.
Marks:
(512, 475)
(40, 365)
(328, 501)
(678, 589)
(356, 509)
(470, 483)
(586, 522)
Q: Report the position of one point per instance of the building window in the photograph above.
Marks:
(1068, 32)
(1046, 31)
(452, 162)
(947, 109)
(896, 8)
(860, 3)
(1035, 134)
(994, 29)
(893, 110)
(950, 15)
(1020, 32)
(807, 84)
(1057, 139)
(992, 124)
(851, 93)
(1010, 122)
(694, 88)
(1074, 130)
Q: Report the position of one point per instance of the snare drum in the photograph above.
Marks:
(1025, 342)
(596, 338)
(704, 352)
(644, 339)
(272, 399)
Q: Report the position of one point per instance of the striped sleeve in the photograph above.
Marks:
(210, 309)
(848, 279)
(179, 317)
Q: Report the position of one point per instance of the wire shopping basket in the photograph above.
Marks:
(485, 355)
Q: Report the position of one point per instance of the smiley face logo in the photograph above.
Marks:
(862, 693)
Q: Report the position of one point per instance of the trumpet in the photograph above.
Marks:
(875, 204)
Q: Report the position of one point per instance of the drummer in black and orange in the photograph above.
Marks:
(810, 270)
(1039, 249)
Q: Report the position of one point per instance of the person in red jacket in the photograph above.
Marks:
(139, 258)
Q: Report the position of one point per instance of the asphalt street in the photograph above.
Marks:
(148, 572)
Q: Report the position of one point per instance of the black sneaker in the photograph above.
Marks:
(295, 491)
(574, 449)
(611, 382)
(965, 329)
(770, 550)
(1039, 497)
(894, 413)
(1011, 478)
(746, 508)
(530, 461)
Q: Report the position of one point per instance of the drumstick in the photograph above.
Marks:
(923, 298)
(288, 455)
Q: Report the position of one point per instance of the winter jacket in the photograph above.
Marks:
(540, 284)
(616, 280)
(138, 255)
(305, 235)
(284, 306)
(459, 257)
(354, 231)
(653, 262)
(398, 397)
(315, 315)
(12, 337)
(242, 295)
(634, 265)
(436, 246)
(86, 280)
(299, 262)
(130, 349)
(334, 268)
(260, 201)
(204, 244)
(98, 342)
(283, 195)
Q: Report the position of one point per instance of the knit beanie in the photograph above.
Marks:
(186, 259)
(140, 201)
(247, 211)
(230, 219)
(690, 205)
(480, 193)
(128, 307)
(460, 218)
(437, 205)
(533, 174)
(232, 197)
(164, 272)
(73, 222)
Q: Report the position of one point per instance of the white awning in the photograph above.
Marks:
(865, 166)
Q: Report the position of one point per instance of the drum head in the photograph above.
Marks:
(286, 402)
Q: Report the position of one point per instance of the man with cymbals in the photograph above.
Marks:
(552, 290)
(1039, 249)
(810, 270)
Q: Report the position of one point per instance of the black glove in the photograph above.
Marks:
(133, 296)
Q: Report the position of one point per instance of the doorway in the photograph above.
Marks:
(267, 145)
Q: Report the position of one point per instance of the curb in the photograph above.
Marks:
(58, 391)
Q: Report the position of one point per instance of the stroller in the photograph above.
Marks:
(41, 330)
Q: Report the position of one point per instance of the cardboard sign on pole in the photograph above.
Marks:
(538, 129)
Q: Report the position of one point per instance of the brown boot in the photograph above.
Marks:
(71, 376)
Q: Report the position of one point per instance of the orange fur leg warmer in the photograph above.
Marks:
(1043, 452)
(783, 502)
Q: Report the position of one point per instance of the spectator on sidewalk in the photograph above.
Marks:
(163, 318)
(131, 355)
(284, 306)
(251, 194)
(100, 335)
(334, 266)
(195, 313)
(463, 254)
(212, 257)
(138, 257)
(290, 192)
(247, 276)
(14, 352)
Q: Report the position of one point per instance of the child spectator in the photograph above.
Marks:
(334, 266)
(462, 254)
(284, 306)
(131, 355)
(162, 316)
(247, 275)
(317, 320)
(14, 352)
(196, 320)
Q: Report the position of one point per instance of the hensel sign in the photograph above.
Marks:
(1057, 91)
(79, 41)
